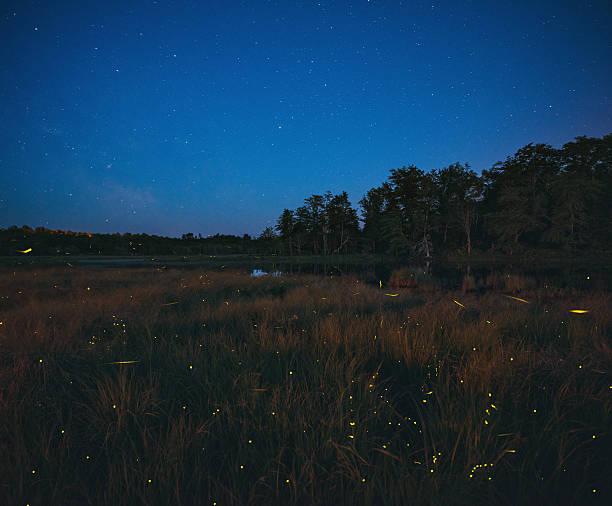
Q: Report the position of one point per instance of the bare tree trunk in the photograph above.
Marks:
(425, 241)
(468, 231)
(324, 232)
(341, 245)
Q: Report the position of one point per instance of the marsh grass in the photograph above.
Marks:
(299, 390)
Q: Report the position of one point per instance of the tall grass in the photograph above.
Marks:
(299, 390)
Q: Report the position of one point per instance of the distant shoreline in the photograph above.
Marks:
(364, 259)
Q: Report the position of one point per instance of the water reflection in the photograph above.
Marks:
(259, 272)
(468, 278)
(430, 276)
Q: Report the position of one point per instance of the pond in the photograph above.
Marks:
(456, 276)
(433, 275)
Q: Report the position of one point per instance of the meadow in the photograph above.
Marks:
(144, 385)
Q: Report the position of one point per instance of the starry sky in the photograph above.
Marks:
(167, 117)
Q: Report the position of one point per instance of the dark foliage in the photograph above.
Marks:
(539, 199)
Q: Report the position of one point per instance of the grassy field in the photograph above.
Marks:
(299, 390)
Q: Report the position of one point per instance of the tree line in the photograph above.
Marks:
(538, 199)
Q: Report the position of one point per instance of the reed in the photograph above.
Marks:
(144, 386)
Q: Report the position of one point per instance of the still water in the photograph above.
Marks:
(434, 274)
(457, 276)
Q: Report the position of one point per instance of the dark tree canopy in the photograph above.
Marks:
(540, 198)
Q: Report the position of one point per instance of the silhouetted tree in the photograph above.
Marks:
(342, 223)
(374, 205)
(286, 228)
(519, 194)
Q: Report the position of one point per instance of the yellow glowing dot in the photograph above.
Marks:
(33, 471)
(424, 400)
(62, 431)
(88, 288)
(250, 442)
(190, 367)
(40, 360)
(534, 410)
(87, 457)
(363, 479)
(114, 406)
(353, 423)
(149, 480)
(241, 467)
(594, 436)
(287, 481)
(290, 372)
(184, 407)
(352, 437)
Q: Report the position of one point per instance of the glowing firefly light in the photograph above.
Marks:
(170, 303)
(516, 298)
(579, 311)
(25, 250)
(123, 362)
(458, 303)
(392, 294)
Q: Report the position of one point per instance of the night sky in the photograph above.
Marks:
(211, 117)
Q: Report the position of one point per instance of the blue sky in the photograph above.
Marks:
(211, 117)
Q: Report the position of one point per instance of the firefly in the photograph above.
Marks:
(516, 298)
(123, 362)
(579, 311)
(25, 250)
(458, 303)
